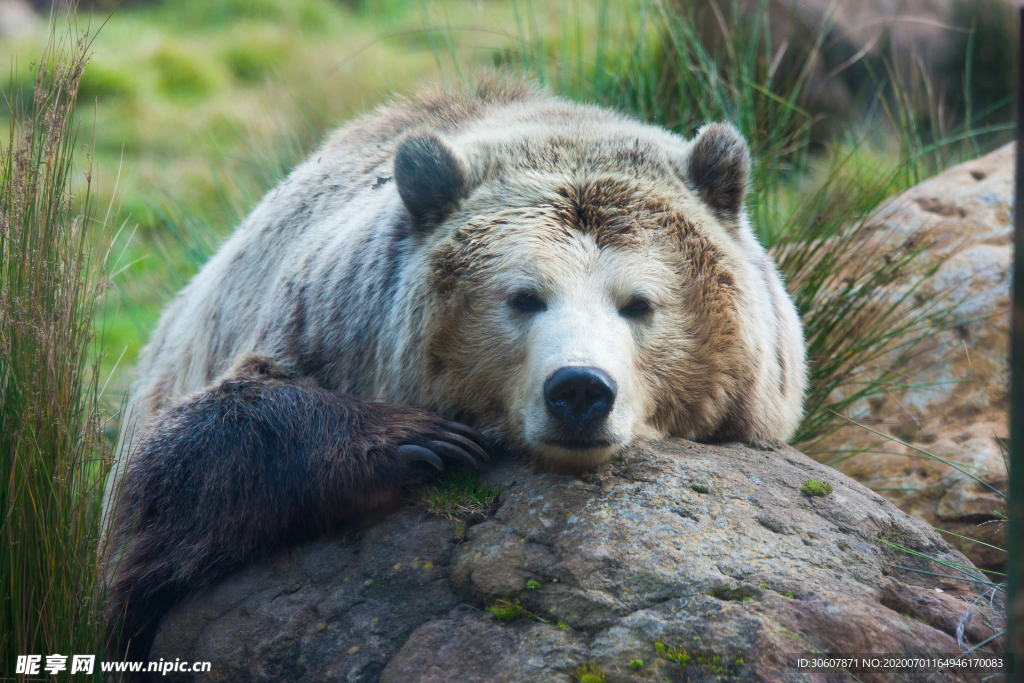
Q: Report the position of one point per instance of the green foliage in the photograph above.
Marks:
(636, 664)
(699, 487)
(589, 673)
(250, 62)
(672, 654)
(533, 585)
(102, 82)
(506, 610)
(813, 487)
(457, 494)
(563, 625)
(52, 449)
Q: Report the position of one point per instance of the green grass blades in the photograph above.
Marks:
(458, 495)
(52, 452)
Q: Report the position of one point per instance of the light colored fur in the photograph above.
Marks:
(326, 278)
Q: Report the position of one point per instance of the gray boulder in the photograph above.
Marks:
(702, 562)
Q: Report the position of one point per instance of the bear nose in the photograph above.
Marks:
(579, 394)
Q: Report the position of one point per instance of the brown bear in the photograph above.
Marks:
(445, 273)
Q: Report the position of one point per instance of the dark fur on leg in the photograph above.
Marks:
(253, 464)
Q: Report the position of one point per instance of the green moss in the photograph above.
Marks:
(589, 673)
(533, 585)
(699, 487)
(789, 595)
(562, 624)
(763, 586)
(636, 664)
(507, 611)
(813, 487)
(748, 599)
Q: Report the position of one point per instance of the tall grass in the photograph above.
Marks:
(52, 454)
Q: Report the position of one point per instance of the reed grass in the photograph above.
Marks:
(53, 456)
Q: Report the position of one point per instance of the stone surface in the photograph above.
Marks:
(953, 399)
(625, 557)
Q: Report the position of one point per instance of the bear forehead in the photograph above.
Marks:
(612, 212)
(612, 209)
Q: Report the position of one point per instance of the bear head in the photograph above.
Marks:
(586, 282)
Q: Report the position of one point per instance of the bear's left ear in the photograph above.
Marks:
(431, 179)
(718, 169)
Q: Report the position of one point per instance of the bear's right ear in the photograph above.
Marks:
(718, 168)
(431, 179)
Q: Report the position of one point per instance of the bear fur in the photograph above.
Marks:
(443, 274)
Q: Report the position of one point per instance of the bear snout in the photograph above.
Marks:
(579, 398)
(580, 395)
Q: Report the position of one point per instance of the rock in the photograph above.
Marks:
(622, 559)
(955, 402)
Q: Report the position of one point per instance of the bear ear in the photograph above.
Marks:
(431, 179)
(718, 169)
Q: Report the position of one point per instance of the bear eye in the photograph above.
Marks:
(637, 307)
(527, 302)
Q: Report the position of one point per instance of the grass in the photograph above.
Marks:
(672, 653)
(589, 673)
(52, 452)
(458, 495)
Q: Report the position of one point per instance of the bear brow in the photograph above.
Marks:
(614, 212)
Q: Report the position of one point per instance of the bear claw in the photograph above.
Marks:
(467, 445)
(413, 453)
(455, 452)
(471, 433)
